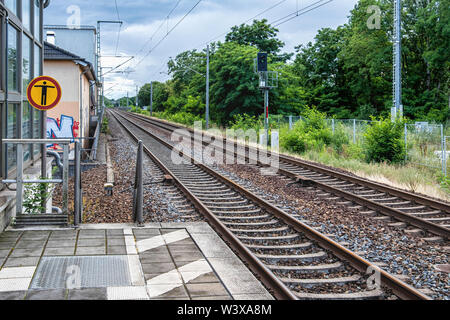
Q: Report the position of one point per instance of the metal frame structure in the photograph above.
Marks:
(20, 181)
(15, 97)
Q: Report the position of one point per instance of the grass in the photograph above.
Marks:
(407, 177)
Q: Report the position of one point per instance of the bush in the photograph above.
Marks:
(312, 133)
(383, 141)
(339, 139)
(245, 122)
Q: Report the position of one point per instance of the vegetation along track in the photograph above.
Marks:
(292, 259)
(414, 213)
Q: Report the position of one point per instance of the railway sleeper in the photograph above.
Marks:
(322, 268)
(310, 283)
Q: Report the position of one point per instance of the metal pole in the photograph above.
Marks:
(266, 111)
(207, 87)
(397, 63)
(139, 186)
(19, 185)
(290, 122)
(127, 101)
(137, 97)
(151, 99)
(77, 198)
(65, 177)
(442, 148)
(332, 125)
(445, 156)
(406, 142)
(354, 130)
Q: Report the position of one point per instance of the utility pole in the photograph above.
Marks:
(127, 100)
(207, 87)
(98, 56)
(151, 98)
(397, 63)
(137, 97)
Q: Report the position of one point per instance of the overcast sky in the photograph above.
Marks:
(208, 20)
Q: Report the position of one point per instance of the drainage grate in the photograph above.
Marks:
(84, 272)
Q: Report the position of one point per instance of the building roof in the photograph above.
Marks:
(52, 52)
(65, 27)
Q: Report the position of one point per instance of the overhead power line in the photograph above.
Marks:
(248, 20)
(159, 28)
(167, 34)
(300, 12)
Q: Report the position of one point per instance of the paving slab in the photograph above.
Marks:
(166, 261)
(12, 295)
(87, 294)
(55, 294)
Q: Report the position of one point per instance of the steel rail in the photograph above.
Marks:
(395, 213)
(400, 288)
(280, 290)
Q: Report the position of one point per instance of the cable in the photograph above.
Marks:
(261, 13)
(170, 31)
(159, 28)
(120, 27)
(300, 12)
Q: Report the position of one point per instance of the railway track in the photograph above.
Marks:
(414, 213)
(292, 259)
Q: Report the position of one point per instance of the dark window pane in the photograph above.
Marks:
(36, 128)
(26, 63)
(12, 58)
(11, 133)
(26, 129)
(37, 20)
(26, 16)
(37, 61)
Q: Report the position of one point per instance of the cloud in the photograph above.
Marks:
(209, 20)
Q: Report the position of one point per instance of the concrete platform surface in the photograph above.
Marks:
(160, 261)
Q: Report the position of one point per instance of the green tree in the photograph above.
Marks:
(261, 35)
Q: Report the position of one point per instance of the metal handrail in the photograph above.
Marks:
(20, 181)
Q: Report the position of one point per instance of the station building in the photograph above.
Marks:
(21, 60)
(76, 76)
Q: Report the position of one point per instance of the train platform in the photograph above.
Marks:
(160, 261)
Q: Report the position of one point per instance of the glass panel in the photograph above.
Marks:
(36, 128)
(37, 20)
(26, 16)
(12, 5)
(26, 129)
(11, 133)
(37, 61)
(26, 64)
(12, 58)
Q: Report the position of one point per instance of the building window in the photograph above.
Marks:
(37, 20)
(12, 5)
(12, 58)
(37, 61)
(26, 129)
(26, 63)
(37, 115)
(26, 14)
(11, 133)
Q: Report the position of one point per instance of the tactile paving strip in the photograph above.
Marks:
(81, 272)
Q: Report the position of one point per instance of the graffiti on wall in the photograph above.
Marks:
(62, 128)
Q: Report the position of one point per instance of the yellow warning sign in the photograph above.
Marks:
(44, 93)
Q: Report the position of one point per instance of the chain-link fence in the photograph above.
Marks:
(426, 144)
